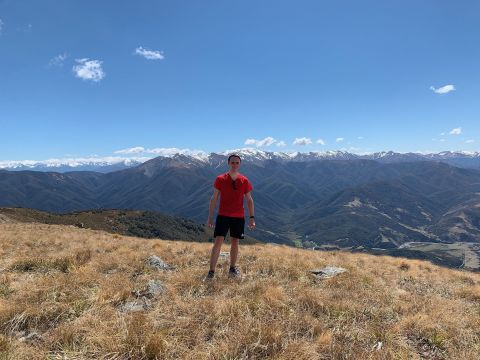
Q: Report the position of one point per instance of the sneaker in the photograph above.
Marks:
(234, 272)
(210, 276)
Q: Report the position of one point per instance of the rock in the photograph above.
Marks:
(32, 337)
(224, 254)
(136, 305)
(157, 263)
(153, 289)
(327, 272)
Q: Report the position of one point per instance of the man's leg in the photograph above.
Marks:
(216, 251)
(233, 251)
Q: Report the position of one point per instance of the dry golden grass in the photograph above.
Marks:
(67, 284)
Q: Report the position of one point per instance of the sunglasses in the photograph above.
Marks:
(235, 162)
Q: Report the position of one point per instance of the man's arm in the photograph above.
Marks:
(213, 204)
(251, 211)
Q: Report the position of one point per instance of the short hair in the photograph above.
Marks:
(234, 155)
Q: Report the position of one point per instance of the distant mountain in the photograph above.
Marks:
(426, 202)
(299, 198)
(103, 165)
(462, 159)
(50, 191)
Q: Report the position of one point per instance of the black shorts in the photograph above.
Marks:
(224, 223)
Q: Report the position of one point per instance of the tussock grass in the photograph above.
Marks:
(39, 264)
(67, 284)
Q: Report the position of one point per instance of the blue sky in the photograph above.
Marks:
(217, 75)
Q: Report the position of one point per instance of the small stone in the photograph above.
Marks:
(153, 289)
(32, 337)
(157, 263)
(327, 272)
(224, 254)
(136, 305)
(19, 334)
(131, 306)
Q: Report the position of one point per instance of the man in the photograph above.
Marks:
(232, 187)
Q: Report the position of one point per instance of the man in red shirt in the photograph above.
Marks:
(232, 188)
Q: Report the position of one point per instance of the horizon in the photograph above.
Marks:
(277, 76)
(202, 155)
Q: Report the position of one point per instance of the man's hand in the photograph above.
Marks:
(251, 224)
(209, 222)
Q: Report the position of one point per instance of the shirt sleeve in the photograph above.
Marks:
(217, 184)
(248, 186)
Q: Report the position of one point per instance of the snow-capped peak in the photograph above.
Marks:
(198, 157)
(72, 162)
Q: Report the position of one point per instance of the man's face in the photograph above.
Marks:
(234, 164)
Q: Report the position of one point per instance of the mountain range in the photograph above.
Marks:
(115, 163)
(303, 199)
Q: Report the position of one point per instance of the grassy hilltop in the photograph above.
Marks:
(63, 290)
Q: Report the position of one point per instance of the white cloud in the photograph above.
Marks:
(161, 151)
(133, 150)
(89, 69)
(260, 143)
(470, 141)
(442, 134)
(1, 26)
(302, 141)
(173, 151)
(360, 137)
(456, 131)
(25, 28)
(58, 60)
(281, 143)
(267, 141)
(149, 54)
(443, 90)
(321, 142)
(442, 140)
(339, 139)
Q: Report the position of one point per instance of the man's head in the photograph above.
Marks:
(234, 162)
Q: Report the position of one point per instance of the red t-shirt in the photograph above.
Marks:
(231, 200)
